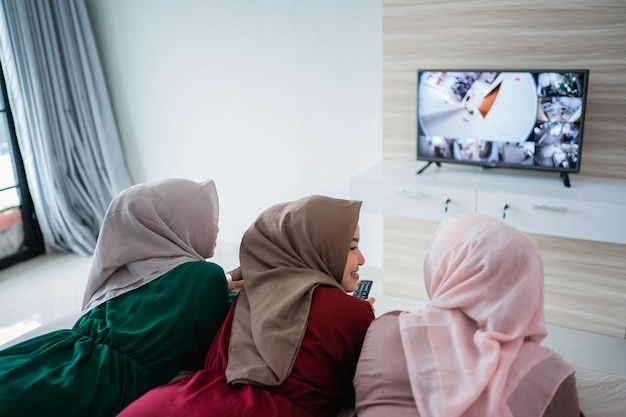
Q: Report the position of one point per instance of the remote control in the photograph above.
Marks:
(363, 288)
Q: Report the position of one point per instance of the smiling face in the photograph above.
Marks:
(355, 259)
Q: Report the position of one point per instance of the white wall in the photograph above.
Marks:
(274, 99)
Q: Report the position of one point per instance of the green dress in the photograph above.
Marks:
(119, 350)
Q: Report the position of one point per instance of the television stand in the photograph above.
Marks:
(426, 166)
(565, 177)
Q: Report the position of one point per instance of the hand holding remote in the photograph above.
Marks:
(363, 288)
(362, 291)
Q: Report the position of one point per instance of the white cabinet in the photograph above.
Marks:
(397, 198)
(581, 230)
(394, 189)
(563, 217)
(535, 202)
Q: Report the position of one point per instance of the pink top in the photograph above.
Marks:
(383, 389)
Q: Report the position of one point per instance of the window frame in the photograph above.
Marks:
(33, 244)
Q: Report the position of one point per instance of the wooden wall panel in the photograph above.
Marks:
(585, 281)
(585, 284)
(405, 245)
(586, 34)
(585, 287)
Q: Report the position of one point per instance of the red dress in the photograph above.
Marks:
(320, 383)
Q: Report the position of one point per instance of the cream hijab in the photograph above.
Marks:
(149, 229)
(289, 250)
(485, 283)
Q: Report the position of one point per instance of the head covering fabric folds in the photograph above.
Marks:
(485, 283)
(149, 229)
(289, 250)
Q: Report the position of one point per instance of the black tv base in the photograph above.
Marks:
(426, 166)
(564, 175)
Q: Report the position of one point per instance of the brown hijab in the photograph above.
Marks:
(290, 249)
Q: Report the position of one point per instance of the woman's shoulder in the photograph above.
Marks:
(338, 295)
(390, 316)
(387, 324)
(547, 377)
(199, 268)
(334, 302)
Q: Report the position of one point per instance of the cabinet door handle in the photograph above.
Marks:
(542, 206)
(409, 193)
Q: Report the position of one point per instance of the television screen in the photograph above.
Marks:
(504, 118)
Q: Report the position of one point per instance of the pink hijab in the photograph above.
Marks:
(485, 283)
(148, 230)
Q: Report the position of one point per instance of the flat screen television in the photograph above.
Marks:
(526, 119)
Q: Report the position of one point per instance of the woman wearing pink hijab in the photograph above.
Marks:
(151, 309)
(474, 349)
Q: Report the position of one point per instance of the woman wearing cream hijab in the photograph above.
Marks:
(289, 346)
(474, 349)
(152, 307)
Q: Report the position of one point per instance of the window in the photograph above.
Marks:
(20, 237)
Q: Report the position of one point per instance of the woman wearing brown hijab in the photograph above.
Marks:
(290, 345)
